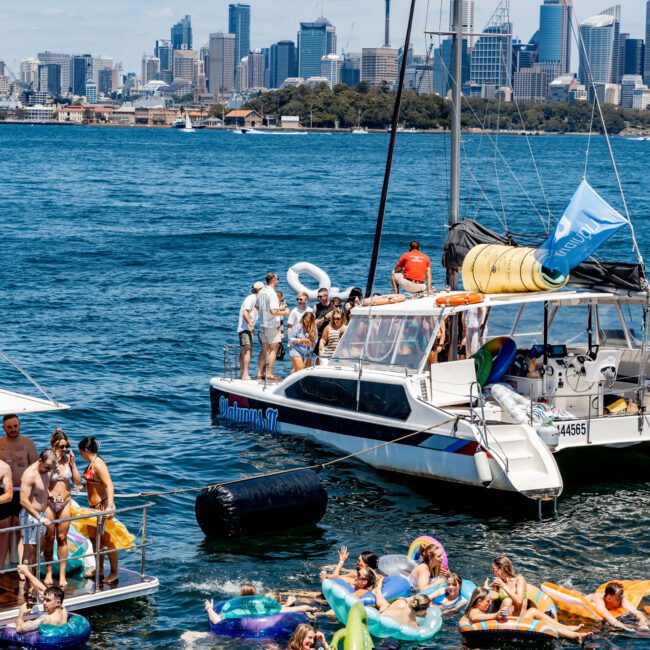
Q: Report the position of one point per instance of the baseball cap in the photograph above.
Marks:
(258, 286)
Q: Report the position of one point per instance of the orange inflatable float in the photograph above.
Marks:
(462, 298)
(386, 299)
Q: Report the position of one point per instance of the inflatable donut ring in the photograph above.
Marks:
(392, 587)
(74, 634)
(503, 350)
(495, 634)
(414, 549)
(387, 299)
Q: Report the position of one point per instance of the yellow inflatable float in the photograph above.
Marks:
(118, 533)
(493, 268)
(573, 602)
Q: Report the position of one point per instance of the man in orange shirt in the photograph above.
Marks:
(413, 272)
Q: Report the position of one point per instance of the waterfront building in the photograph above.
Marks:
(312, 82)
(150, 68)
(629, 84)
(243, 117)
(598, 35)
(331, 68)
(283, 63)
(222, 63)
(491, 56)
(39, 113)
(578, 94)
(379, 66)
(419, 77)
(239, 24)
(646, 61)
(641, 100)
(49, 79)
(351, 71)
(79, 68)
(555, 33)
(181, 34)
(292, 82)
(91, 91)
(39, 97)
(468, 18)
(315, 40)
(256, 66)
(633, 56)
(608, 93)
(64, 60)
(560, 87)
(531, 84)
(29, 72)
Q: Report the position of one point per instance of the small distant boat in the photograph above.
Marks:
(179, 122)
(246, 130)
(358, 129)
(187, 125)
(642, 138)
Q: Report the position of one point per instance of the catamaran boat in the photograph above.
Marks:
(567, 357)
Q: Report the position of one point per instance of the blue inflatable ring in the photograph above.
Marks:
(503, 350)
(73, 634)
(379, 625)
(437, 593)
(255, 617)
(393, 587)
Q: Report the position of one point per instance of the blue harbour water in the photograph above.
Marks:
(126, 253)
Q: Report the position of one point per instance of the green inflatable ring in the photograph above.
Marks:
(355, 634)
(483, 363)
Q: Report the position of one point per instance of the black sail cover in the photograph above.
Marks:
(592, 274)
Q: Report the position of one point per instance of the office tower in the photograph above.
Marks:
(80, 64)
(150, 68)
(633, 56)
(91, 92)
(331, 66)
(468, 18)
(100, 63)
(315, 40)
(646, 61)
(615, 13)
(105, 83)
(492, 55)
(351, 71)
(49, 79)
(184, 65)
(64, 61)
(256, 69)
(378, 66)
(598, 35)
(222, 63)
(442, 66)
(283, 63)
(555, 33)
(239, 24)
(181, 34)
(629, 84)
(29, 72)
(387, 25)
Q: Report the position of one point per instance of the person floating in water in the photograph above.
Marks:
(614, 598)
(55, 613)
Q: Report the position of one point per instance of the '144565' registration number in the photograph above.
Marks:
(573, 429)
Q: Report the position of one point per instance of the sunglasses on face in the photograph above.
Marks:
(63, 447)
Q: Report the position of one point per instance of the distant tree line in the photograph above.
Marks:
(323, 107)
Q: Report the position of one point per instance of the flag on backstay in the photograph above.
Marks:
(586, 224)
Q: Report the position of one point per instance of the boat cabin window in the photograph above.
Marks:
(524, 323)
(612, 325)
(399, 341)
(375, 398)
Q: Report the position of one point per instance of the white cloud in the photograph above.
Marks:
(162, 12)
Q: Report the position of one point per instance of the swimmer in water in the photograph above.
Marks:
(614, 598)
(55, 613)
(508, 588)
(404, 611)
(478, 610)
(305, 637)
(453, 601)
(430, 570)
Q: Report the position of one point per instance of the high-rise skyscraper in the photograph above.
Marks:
(598, 36)
(379, 66)
(29, 72)
(491, 62)
(256, 69)
(150, 68)
(615, 13)
(633, 56)
(181, 34)
(91, 91)
(315, 40)
(283, 64)
(163, 50)
(442, 66)
(351, 72)
(222, 63)
(80, 65)
(468, 18)
(105, 84)
(331, 66)
(185, 65)
(49, 79)
(646, 65)
(64, 61)
(239, 24)
(555, 34)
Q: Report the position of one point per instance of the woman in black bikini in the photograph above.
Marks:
(64, 475)
(101, 496)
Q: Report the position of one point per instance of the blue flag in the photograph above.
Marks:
(588, 222)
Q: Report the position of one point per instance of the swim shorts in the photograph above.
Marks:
(30, 535)
(245, 339)
(11, 509)
(270, 335)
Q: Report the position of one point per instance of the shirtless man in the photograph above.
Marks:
(612, 598)
(55, 613)
(403, 610)
(6, 510)
(18, 452)
(34, 499)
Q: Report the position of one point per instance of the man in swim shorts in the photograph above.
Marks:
(18, 452)
(614, 598)
(413, 272)
(55, 613)
(6, 509)
(34, 498)
(246, 328)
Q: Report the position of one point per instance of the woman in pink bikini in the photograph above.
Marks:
(63, 477)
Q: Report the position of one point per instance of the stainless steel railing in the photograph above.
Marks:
(230, 361)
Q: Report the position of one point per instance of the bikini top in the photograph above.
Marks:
(89, 475)
(65, 476)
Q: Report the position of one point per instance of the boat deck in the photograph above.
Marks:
(79, 594)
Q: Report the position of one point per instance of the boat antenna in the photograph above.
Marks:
(389, 157)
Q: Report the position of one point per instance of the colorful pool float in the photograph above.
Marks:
(495, 634)
(391, 588)
(414, 549)
(74, 634)
(355, 635)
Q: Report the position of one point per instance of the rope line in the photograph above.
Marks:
(288, 471)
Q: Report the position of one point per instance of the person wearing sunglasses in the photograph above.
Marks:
(63, 477)
(301, 308)
(331, 335)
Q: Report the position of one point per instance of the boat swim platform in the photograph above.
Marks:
(80, 593)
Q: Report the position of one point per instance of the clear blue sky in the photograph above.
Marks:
(125, 29)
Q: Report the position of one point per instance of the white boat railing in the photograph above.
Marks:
(101, 517)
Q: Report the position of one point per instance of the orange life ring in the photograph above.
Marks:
(387, 299)
(456, 299)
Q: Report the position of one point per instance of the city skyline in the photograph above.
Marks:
(74, 28)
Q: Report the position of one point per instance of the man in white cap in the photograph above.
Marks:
(246, 328)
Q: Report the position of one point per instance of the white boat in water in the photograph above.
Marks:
(576, 378)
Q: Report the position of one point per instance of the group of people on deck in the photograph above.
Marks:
(313, 333)
(36, 491)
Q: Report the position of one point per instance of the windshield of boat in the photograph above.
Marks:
(394, 341)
